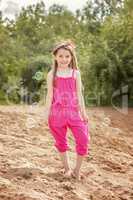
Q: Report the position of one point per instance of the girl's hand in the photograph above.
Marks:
(84, 116)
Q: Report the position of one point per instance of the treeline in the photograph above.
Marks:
(103, 33)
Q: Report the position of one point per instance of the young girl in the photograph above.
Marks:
(65, 106)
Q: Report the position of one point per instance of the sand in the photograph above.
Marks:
(30, 167)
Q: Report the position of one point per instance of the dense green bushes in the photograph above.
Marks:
(103, 34)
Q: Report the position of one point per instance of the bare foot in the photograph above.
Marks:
(76, 175)
(67, 173)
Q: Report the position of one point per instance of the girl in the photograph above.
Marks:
(65, 106)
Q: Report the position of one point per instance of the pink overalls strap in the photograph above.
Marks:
(73, 73)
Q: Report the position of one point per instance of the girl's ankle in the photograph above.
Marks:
(68, 173)
(76, 172)
(67, 169)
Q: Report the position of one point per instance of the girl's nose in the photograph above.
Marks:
(64, 60)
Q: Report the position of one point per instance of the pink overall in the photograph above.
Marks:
(65, 114)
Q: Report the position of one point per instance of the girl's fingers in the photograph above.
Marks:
(86, 120)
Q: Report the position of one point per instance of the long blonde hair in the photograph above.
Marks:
(67, 45)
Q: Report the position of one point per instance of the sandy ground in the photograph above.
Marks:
(30, 168)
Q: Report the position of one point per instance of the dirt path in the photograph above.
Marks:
(30, 166)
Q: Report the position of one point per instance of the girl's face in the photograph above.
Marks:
(63, 58)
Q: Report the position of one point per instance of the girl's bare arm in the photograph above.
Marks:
(81, 102)
(49, 95)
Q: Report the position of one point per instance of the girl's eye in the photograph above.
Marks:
(67, 56)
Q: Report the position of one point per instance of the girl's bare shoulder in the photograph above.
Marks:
(50, 74)
(77, 73)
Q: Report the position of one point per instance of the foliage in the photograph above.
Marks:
(103, 33)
